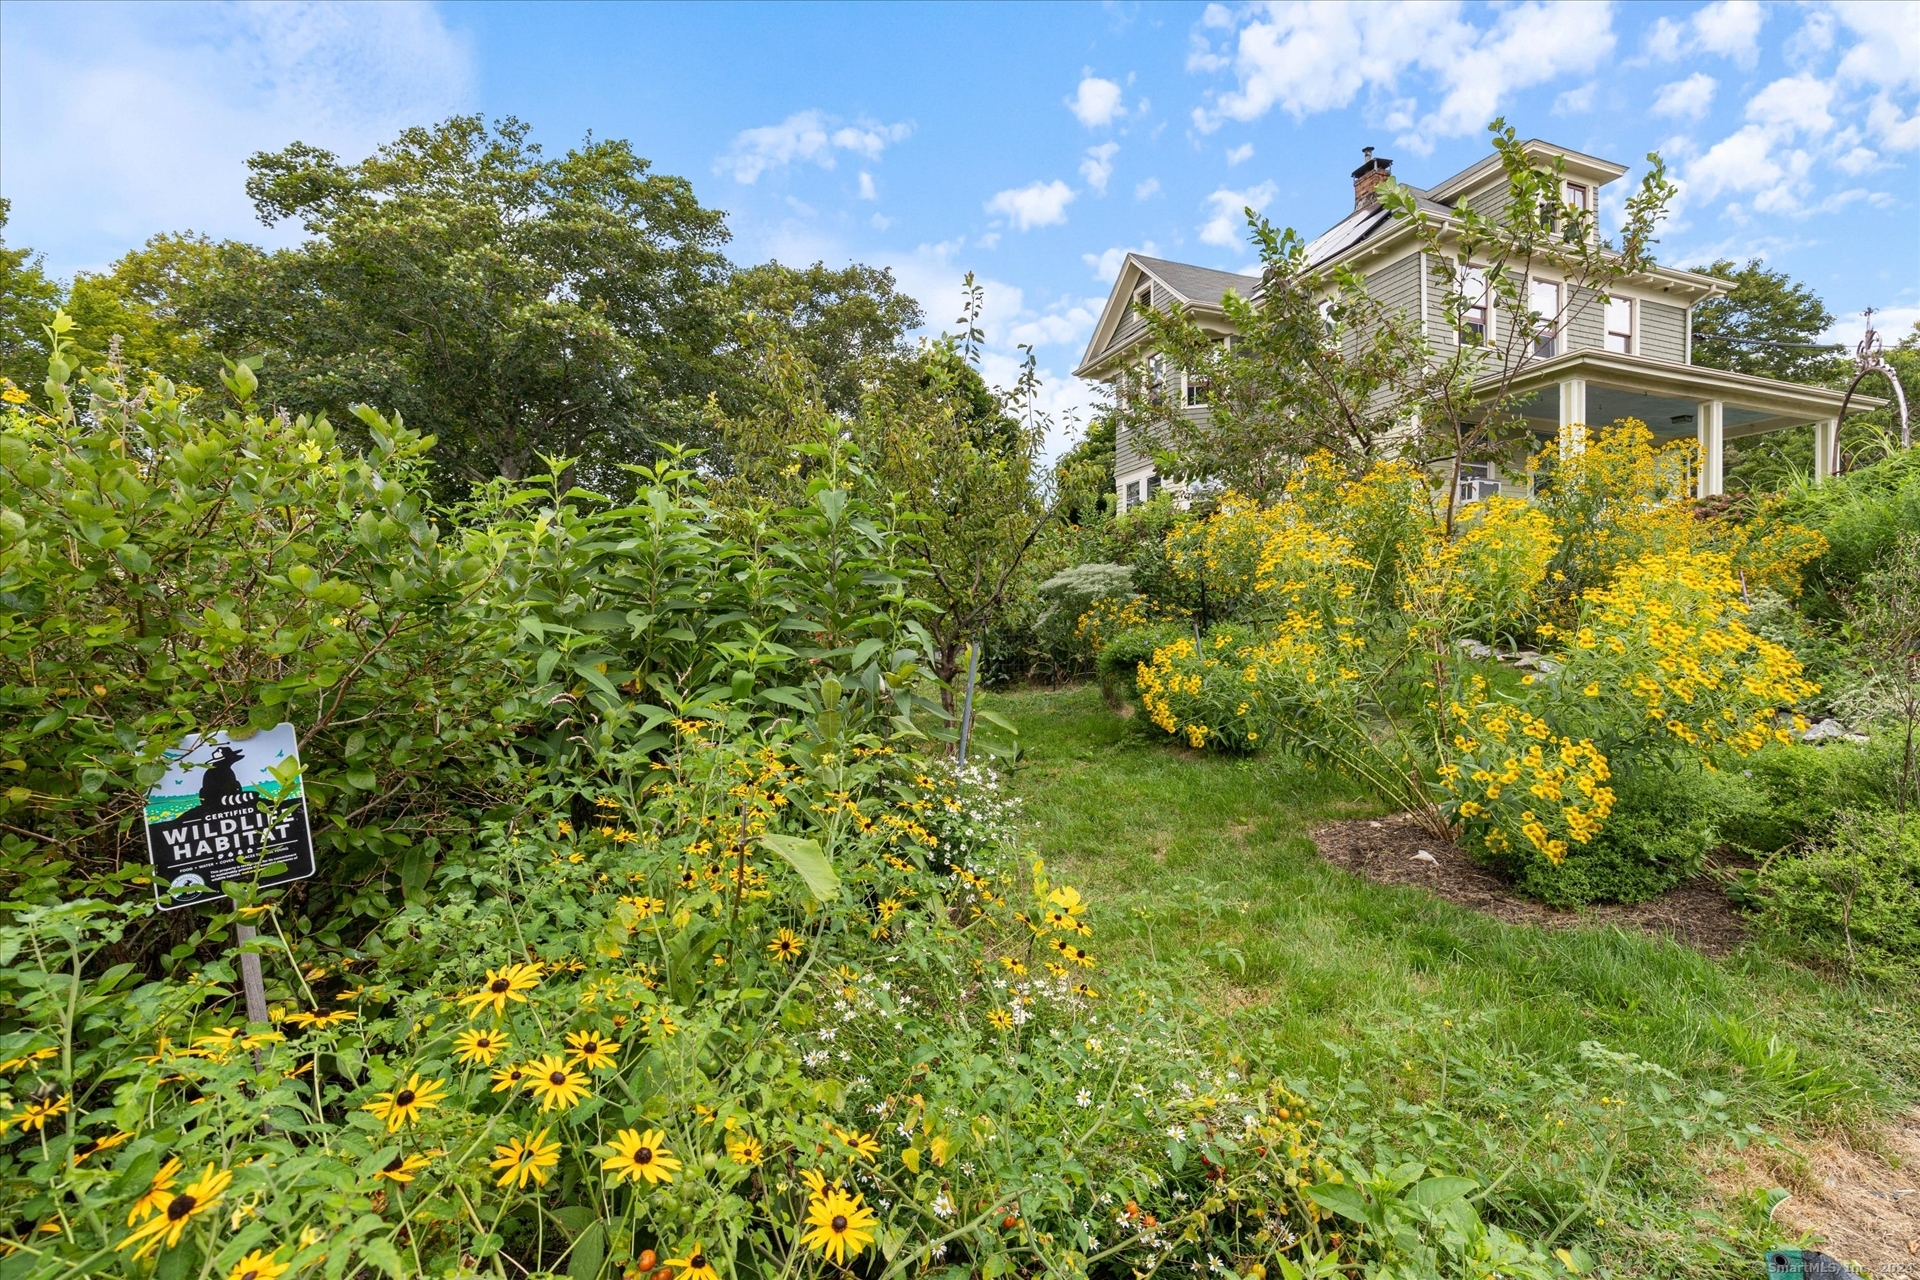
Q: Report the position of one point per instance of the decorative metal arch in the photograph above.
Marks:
(1870, 358)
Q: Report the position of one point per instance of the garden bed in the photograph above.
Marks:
(1387, 851)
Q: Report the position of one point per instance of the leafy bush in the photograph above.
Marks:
(1859, 515)
(1854, 898)
(1119, 659)
(1660, 826)
(784, 1003)
(1069, 594)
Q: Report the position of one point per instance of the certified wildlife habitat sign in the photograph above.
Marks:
(228, 810)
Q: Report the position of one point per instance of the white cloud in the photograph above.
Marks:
(1730, 28)
(867, 189)
(1146, 190)
(1096, 102)
(1576, 102)
(1098, 165)
(1891, 323)
(166, 104)
(805, 136)
(1069, 321)
(1229, 213)
(1690, 97)
(1888, 54)
(1896, 132)
(1242, 152)
(1106, 265)
(1798, 103)
(1306, 58)
(1038, 204)
(880, 221)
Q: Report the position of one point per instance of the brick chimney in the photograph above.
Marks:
(1371, 173)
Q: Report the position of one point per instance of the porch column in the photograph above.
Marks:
(1573, 417)
(1709, 425)
(1826, 449)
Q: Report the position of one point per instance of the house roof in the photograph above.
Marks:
(1204, 287)
(1201, 288)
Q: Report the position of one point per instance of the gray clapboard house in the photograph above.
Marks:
(1630, 356)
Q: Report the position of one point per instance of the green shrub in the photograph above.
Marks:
(1664, 822)
(1799, 790)
(1067, 595)
(1854, 898)
(1119, 660)
(1861, 514)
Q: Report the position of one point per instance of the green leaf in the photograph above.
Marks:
(1435, 1192)
(805, 857)
(575, 1218)
(996, 720)
(1340, 1198)
(589, 1251)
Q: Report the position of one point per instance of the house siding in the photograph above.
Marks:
(1663, 331)
(1398, 285)
(1586, 321)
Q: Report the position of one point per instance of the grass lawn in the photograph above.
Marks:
(1202, 866)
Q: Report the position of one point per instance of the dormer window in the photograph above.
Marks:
(1577, 195)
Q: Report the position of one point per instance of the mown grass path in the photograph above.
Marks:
(1204, 863)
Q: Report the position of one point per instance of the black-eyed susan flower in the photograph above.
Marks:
(695, 1266)
(1000, 1020)
(641, 1157)
(592, 1050)
(258, 1265)
(478, 1048)
(525, 1158)
(405, 1105)
(34, 1116)
(89, 1146)
(786, 946)
(554, 1083)
(403, 1169)
(839, 1225)
(158, 1193)
(508, 1078)
(167, 1226)
(502, 985)
(746, 1149)
(863, 1144)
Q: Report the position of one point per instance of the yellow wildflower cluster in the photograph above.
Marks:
(1669, 642)
(1487, 579)
(1514, 782)
(1110, 616)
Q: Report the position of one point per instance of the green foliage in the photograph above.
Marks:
(1768, 324)
(166, 572)
(1854, 898)
(840, 323)
(1120, 658)
(1862, 514)
(1071, 592)
(1664, 822)
(27, 300)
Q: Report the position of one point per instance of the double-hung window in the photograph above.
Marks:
(1543, 299)
(1474, 314)
(1133, 496)
(1620, 325)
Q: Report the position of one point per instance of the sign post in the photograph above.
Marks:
(226, 810)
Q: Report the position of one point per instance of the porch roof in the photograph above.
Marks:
(1663, 394)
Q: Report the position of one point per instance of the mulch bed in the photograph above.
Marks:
(1386, 851)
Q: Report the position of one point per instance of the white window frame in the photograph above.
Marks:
(1474, 280)
(1547, 343)
(1626, 336)
(1130, 497)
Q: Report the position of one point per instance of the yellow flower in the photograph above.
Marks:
(158, 1194)
(503, 985)
(641, 1157)
(88, 1146)
(592, 1050)
(524, 1158)
(1000, 1020)
(401, 1169)
(34, 1116)
(258, 1266)
(786, 946)
(508, 1078)
(694, 1266)
(478, 1048)
(554, 1083)
(841, 1226)
(171, 1222)
(403, 1106)
(862, 1143)
(746, 1149)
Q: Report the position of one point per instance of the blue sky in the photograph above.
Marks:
(1027, 143)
